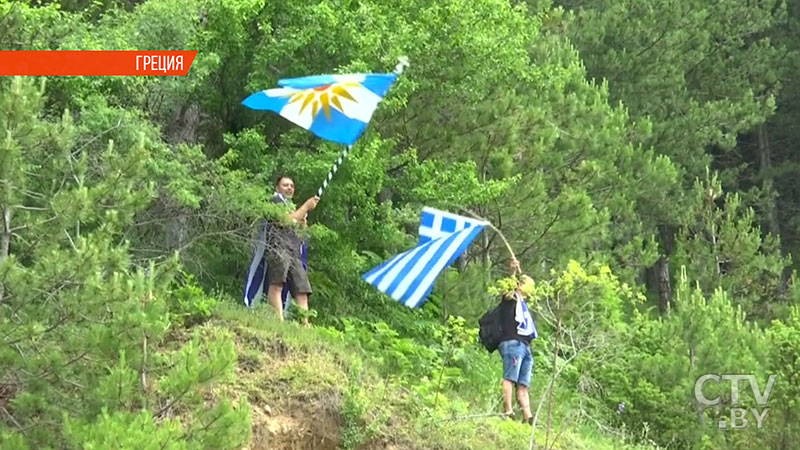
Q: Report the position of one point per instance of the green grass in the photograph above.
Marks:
(318, 375)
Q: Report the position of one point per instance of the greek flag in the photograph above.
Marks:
(409, 276)
(334, 107)
(526, 326)
(434, 224)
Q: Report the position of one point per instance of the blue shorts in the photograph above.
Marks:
(517, 362)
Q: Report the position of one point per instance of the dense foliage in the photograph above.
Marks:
(638, 156)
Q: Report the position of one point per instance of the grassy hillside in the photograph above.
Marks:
(317, 388)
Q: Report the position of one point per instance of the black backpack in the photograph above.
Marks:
(490, 331)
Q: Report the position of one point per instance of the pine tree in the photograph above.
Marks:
(722, 246)
(82, 329)
(697, 71)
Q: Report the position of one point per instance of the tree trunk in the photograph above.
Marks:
(715, 246)
(667, 237)
(176, 234)
(5, 242)
(185, 125)
(384, 195)
(664, 287)
(765, 156)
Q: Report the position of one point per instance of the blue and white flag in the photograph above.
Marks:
(409, 276)
(334, 107)
(257, 271)
(522, 315)
(434, 224)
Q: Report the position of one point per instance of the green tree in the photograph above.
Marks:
(766, 160)
(784, 344)
(667, 355)
(698, 72)
(579, 314)
(722, 246)
(83, 328)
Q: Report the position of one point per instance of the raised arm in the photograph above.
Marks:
(300, 214)
(514, 264)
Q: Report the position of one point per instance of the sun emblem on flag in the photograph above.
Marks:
(322, 98)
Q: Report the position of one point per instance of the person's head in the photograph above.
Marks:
(284, 185)
(523, 288)
(525, 285)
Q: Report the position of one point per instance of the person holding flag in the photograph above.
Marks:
(518, 329)
(284, 249)
(336, 108)
(278, 258)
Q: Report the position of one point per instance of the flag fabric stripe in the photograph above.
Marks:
(427, 277)
(255, 275)
(379, 84)
(393, 272)
(437, 225)
(255, 284)
(375, 275)
(291, 111)
(409, 277)
(313, 81)
(465, 238)
(339, 128)
(270, 100)
(414, 266)
(413, 276)
(362, 106)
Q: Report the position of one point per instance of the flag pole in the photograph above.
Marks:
(505, 241)
(333, 170)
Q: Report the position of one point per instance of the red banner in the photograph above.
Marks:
(104, 63)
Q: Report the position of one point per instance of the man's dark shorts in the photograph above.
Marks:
(284, 265)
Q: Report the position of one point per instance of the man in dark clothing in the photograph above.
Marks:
(284, 248)
(518, 329)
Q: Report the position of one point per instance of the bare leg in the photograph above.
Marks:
(302, 302)
(508, 389)
(524, 401)
(274, 295)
